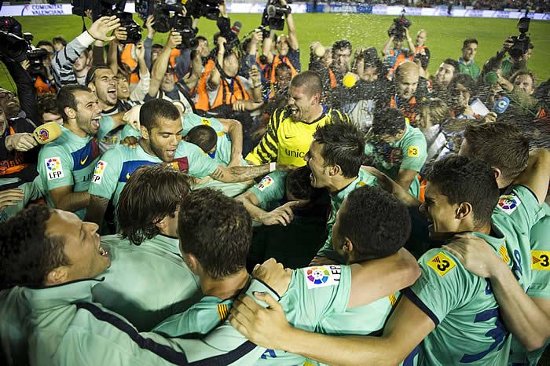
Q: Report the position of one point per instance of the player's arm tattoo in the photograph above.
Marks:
(239, 173)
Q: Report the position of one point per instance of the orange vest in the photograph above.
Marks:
(408, 110)
(42, 87)
(332, 77)
(226, 95)
(398, 61)
(15, 165)
(277, 60)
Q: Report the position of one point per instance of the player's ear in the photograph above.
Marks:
(463, 210)
(56, 276)
(348, 246)
(144, 132)
(335, 170)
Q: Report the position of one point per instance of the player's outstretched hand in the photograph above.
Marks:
(266, 327)
(282, 215)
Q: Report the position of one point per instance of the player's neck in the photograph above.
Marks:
(226, 287)
(339, 183)
(316, 112)
(72, 126)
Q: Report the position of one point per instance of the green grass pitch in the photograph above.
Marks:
(445, 35)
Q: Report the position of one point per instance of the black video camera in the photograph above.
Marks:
(274, 15)
(98, 8)
(133, 30)
(521, 43)
(399, 27)
(209, 9)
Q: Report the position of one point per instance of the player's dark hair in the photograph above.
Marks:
(152, 193)
(388, 121)
(298, 183)
(217, 230)
(92, 73)
(44, 42)
(310, 80)
(282, 67)
(502, 146)
(343, 145)
(27, 255)
(154, 109)
(203, 136)
(462, 179)
(66, 98)
(374, 233)
(341, 44)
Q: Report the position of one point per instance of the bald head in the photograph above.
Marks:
(406, 80)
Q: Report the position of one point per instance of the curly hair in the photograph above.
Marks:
(27, 255)
(217, 230)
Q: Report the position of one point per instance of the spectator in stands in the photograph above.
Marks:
(466, 63)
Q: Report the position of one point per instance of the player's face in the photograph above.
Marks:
(86, 257)
(439, 212)
(122, 87)
(88, 112)
(81, 62)
(444, 74)
(301, 103)
(469, 52)
(105, 86)
(315, 161)
(407, 82)
(164, 138)
(52, 117)
(9, 103)
(283, 79)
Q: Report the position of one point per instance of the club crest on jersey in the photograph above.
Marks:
(540, 260)
(54, 169)
(98, 172)
(441, 264)
(265, 182)
(508, 203)
(322, 276)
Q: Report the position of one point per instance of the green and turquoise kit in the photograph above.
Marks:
(364, 178)
(118, 164)
(271, 190)
(409, 153)
(540, 283)
(468, 326)
(68, 161)
(146, 283)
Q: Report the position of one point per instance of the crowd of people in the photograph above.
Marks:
(144, 189)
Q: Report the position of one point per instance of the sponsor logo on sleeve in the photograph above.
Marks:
(98, 172)
(441, 264)
(54, 169)
(322, 276)
(508, 203)
(412, 151)
(540, 260)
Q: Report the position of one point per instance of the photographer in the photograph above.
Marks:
(516, 60)
(421, 52)
(287, 47)
(396, 55)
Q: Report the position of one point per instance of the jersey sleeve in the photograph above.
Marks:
(106, 174)
(267, 149)
(317, 291)
(443, 285)
(270, 189)
(540, 258)
(190, 120)
(106, 125)
(55, 167)
(129, 131)
(200, 164)
(415, 152)
(521, 206)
